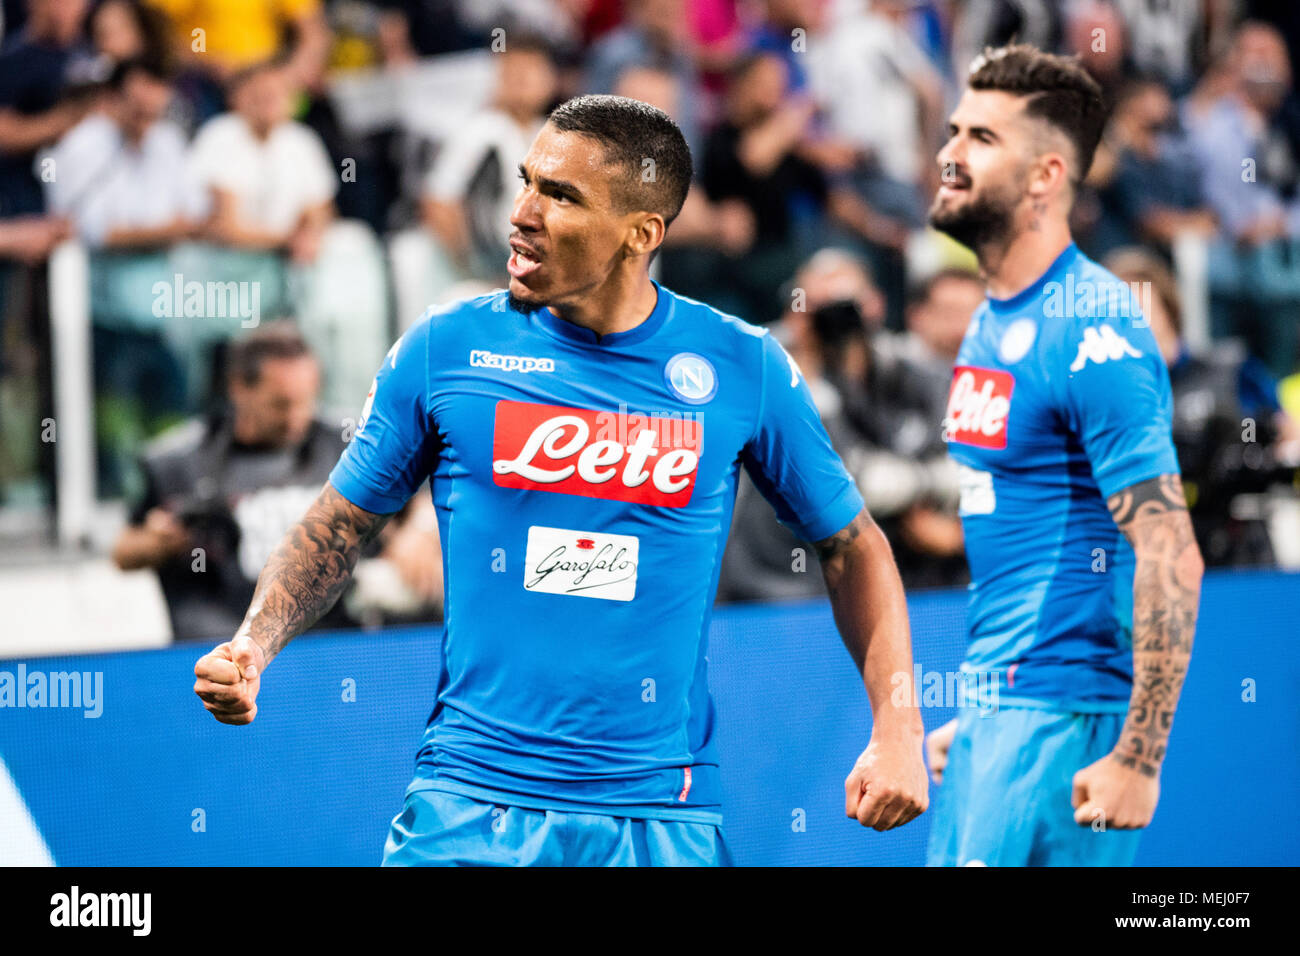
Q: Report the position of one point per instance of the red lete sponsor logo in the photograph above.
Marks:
(645, 460)
(978, 405)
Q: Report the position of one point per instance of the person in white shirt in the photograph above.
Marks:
(270, 179)
(870, 58)
(119, 178)
(470, 189)
(120, 174)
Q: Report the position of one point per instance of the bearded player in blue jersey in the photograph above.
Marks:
(1085, 573)
(582, 435)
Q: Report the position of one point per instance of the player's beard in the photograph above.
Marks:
(523, 305)
(983, 222)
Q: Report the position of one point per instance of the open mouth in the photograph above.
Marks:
(958, 184)
(523, 260)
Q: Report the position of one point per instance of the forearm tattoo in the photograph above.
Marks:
(1166, 591)
(309, 570)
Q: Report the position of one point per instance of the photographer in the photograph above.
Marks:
(1234, 441)
(220, 494)
(878, 412)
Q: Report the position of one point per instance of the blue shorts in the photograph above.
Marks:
(1005, 796)
(436, 828)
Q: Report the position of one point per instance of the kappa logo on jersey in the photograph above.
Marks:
(482, 358)
(642, 459)
(978, 406)
(1100, 346)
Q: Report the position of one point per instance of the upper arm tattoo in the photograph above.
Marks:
(1146, 499)
(837, 543)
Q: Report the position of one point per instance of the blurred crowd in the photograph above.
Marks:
(222, 127)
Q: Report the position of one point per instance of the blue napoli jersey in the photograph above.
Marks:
(1060, 398)
(584, 489)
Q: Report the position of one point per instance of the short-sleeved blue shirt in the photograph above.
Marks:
(584, 488)
(1060, 398)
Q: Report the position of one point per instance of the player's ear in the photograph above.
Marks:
(1050, 175)
(646, 234)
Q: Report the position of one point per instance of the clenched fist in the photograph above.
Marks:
(1122, 797)
(887, 786)
(227, 678)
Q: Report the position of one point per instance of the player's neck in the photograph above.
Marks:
(1014, 266)
(619, 305)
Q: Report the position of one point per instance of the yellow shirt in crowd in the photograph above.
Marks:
(236, 32)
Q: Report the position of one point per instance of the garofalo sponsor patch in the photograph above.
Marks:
(581, 563)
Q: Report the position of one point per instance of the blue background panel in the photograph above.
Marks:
(315, 780)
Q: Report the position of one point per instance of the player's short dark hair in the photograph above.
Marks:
(275, 340)
(1058, 89)
(631, 132)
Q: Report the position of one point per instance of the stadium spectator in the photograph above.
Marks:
(871, 58)
(655, 33)
(1150, 187)
(753, 156)
(764, 560)
(941, 310)
(704, 231)
(237, 36)
(983, 23)
(406, 30)
(1234, 440)
(937, 317)
(271, 182)
(217, 40)
(122, 177)
(37, 67)
(1171, 41)
(1256, 204)
(876, 413)
(122, 30)
(1094, 32)
(469, 192)
(894, 395)
(554, 20)
(122, 182)
(1252, 181)
(783, 31)
(222, 492)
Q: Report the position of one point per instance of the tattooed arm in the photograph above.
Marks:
(1125, 785)
(303, 578)
(887, 786)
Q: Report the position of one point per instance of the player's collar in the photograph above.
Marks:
(639, 333)
(1031, 292)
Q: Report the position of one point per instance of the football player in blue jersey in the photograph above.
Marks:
(1085, 572)
(581, 434)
